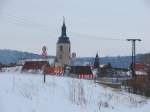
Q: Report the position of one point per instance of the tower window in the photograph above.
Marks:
(69, 49)
(61, 48)
(60, 57)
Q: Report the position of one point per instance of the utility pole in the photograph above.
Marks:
(133, 54)
(44, 73)
(44, 54)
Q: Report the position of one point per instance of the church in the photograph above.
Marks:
(63, 47)
(60, 64)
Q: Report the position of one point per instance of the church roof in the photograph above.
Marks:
(63, 38)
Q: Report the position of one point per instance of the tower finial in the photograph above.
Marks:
(63, 19)
(97, 54)
(63, 33)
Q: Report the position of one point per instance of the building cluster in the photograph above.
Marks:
(62, 64)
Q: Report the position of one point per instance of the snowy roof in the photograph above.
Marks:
(140, 73)
(50, 60)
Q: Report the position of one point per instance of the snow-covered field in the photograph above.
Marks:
(27, 93)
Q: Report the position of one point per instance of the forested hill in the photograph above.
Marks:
(12, 56)
(119, 61)
(144, 58)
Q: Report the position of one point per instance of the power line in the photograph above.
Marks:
(22, 20)
(97, 37)
(25, 22)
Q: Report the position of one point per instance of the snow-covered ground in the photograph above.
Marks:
(12, 69)
(27, 93)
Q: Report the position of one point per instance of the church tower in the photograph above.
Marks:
(63, 47)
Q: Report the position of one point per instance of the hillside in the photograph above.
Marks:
(119, 61)
(144, 58)
(28, 93)
(12, 56)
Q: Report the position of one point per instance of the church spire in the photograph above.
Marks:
(96, 62)
(63, 20)
(63, 38)
(63, 30)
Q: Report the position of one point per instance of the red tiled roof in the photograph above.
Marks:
(34, 65)
(141, 69)
(140, 66)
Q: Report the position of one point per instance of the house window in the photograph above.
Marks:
(61, 48)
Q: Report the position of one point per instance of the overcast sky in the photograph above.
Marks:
(27, 25)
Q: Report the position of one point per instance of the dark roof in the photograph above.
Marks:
(1, 65)
(81, 70)
(63, 40)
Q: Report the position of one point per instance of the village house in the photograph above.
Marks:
(140, 83)
(109, 71)
(34, 66)
(82, 72)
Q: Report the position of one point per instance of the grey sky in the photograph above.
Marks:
(27, 25)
